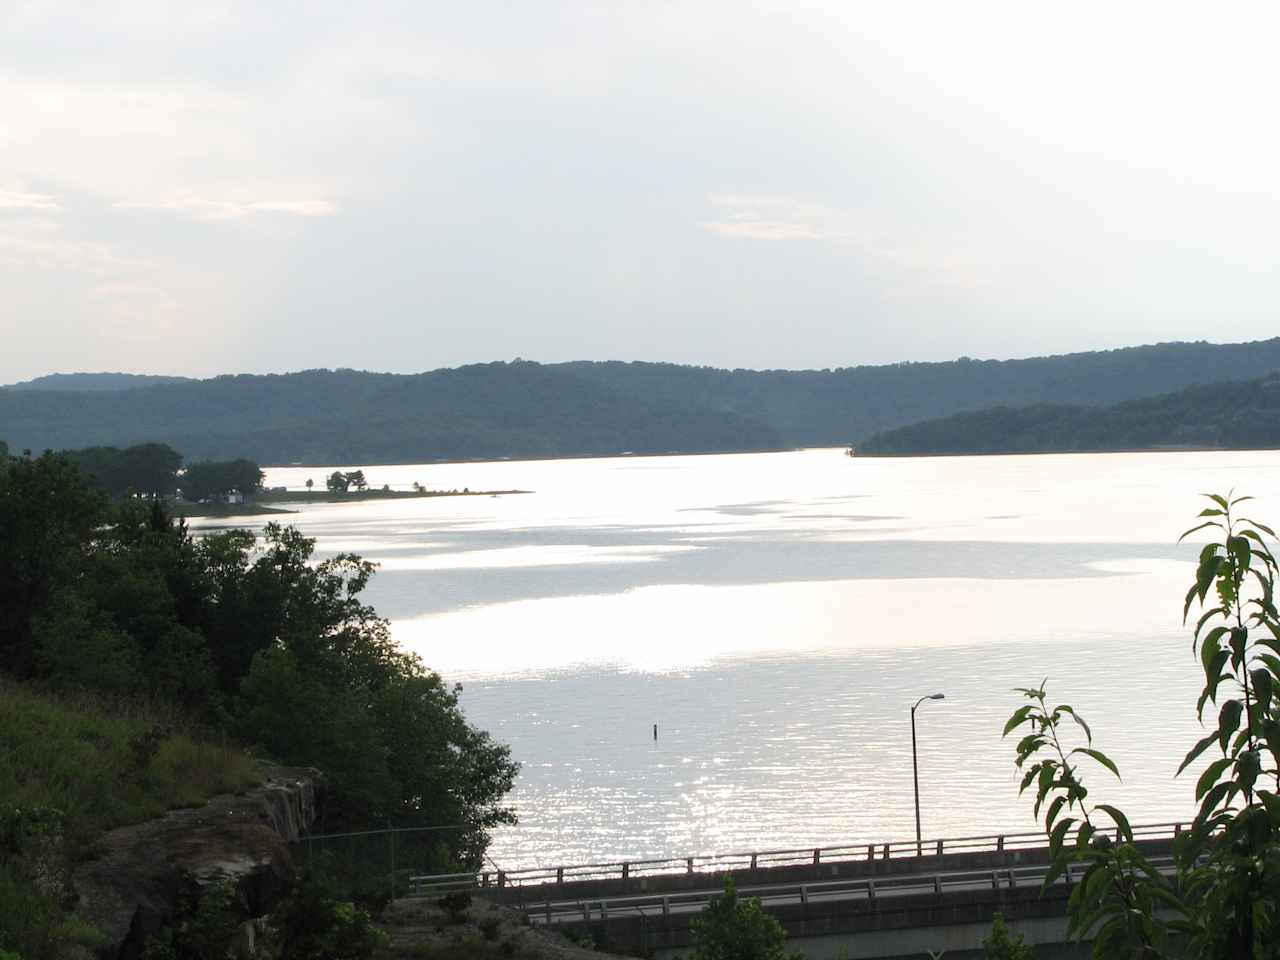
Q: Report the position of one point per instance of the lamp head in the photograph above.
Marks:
(938, 696)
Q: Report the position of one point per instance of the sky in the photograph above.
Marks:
(261, 187)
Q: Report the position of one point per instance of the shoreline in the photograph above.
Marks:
(259, 506)
(625, 455)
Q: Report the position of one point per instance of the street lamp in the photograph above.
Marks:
(915, 770)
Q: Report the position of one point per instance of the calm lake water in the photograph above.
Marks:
(777, 615)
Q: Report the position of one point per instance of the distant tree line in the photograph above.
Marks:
(252, 637)
(155, 470)
(1231, 415)
(146, 470)
(205, 479)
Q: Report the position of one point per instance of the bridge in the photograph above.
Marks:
(857, 901)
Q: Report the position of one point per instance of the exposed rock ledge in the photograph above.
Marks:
(130, 891)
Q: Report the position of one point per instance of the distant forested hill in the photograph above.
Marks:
(346, 416)
(524, 409)
(95, 381)
(1232, 415)
(818, 407)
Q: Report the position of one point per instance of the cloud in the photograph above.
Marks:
(770, 217)
(203, 209)
(299, 208)
(19, 200)
(762, 229)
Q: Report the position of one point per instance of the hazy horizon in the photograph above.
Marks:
(405, 187)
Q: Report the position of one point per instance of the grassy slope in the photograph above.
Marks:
(100, 766)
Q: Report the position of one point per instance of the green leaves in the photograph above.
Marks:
(1211, 775)
(1121, 821)
(1229, 721)
(1101, 757)
(1019, 717)
(1200, 747)
(1226, 899)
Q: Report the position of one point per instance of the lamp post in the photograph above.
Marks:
(915, 770)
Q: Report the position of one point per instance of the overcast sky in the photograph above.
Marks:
(212, 187)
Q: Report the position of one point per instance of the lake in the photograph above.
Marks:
(776, 615)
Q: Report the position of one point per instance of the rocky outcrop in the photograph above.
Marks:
(132, 889)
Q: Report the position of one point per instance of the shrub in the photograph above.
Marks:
(1001, 945)
(733, 929)
(310, 924)
(456, 905)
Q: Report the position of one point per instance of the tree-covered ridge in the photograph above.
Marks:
(819, 407)
(1233, 415)
(523, 409)
(346, 416)
(95, 382)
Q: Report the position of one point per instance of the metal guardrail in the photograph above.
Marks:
(869, 889)
(438, 884)
(761, 859)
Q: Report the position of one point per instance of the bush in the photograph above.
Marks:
(733, 929)
(1001, 945)
(206, 927)
(311, 924)
(456, 905)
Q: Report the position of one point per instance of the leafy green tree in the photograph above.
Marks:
(147, 470)
(356, 479)
(338, 482)
(310, 484)
(48, 516)
(254, 637)
(1000, 944)
(1224, 901)
(733, 929)
(331, 688)
(214, 478)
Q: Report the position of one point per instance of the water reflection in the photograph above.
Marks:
(777, 614)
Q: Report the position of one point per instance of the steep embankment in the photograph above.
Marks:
(134, 885)
(74, 769)
(1235, 415)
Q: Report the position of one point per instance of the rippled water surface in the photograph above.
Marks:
(777, 615)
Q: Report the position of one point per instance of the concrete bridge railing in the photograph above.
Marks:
(612, 877)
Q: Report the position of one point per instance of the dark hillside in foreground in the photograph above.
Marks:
(1238, 415)
(345, 416)
(822, 407)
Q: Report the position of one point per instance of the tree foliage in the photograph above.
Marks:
(527, 409)
(1223, 901)
(1001, 944)
(1233, 415)
(146, 469)
(205, 479)
(733, 929)
(345, 416)
(255, 636)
